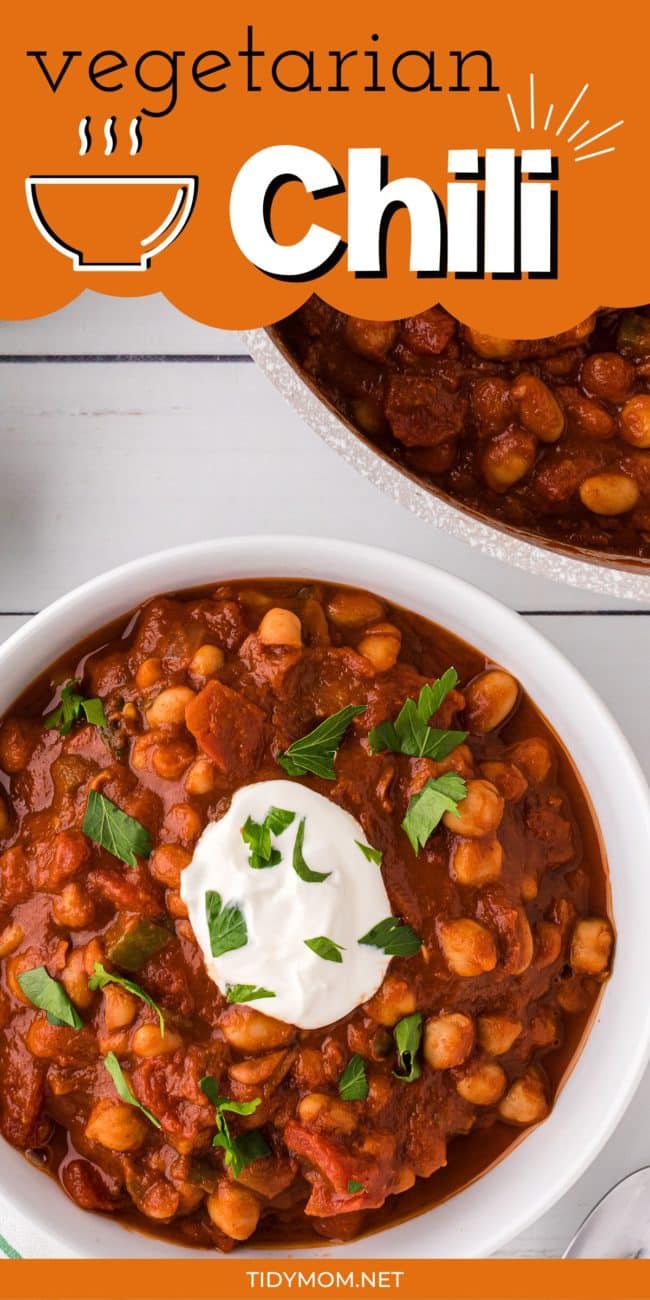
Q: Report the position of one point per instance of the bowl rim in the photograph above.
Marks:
(503, 1201)
(499, 542)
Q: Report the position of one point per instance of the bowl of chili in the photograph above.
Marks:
(131, 717)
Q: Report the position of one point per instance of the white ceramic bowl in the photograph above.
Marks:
(592, 572)
(486, 1215)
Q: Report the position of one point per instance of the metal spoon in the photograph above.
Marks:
(618, 1227)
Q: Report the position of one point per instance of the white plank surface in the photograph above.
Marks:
(103, 462)
(97, 323)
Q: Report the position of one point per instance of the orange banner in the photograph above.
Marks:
(237, 157)
(408, 1279)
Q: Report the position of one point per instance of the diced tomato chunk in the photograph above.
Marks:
(228, 727)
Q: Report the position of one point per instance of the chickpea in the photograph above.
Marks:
(489, 346)
(634, 420)
(476, 862)
(508, 779)
(167, 862)
(160, 1201)
(116, 1126)
(394, 1000)
(75, 979)
(448, 1040)
(539, 409)
(405, 1179)
(248, 1030)
(529, 887)
(607, 375)
(120, 1007)
(489, 700)
(482, 1084)
(47, 1041)
(507, 458)
(591, 946)
(149, 1041)
(543, 1028)
(183, 823)
(588, 418)
(170, 760)
(525, 1101)
(328, 1112)
(17, 743)
(149, 672)
(534, 757)
(10, 938)
(201, 777)
(479, 813)
(175, 905)
(549, 943)
(381, 645)
(468, 947)
(368, 415)
(17, 965)
(609, 493)
(207, 660)
(74, 908)
(280, 627)
(354, 608)
(234, 1210)
(370, 338)
(496, 1034)
(259, 1069)
(168, 708)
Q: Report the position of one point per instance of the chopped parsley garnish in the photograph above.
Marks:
(325, 948)
(408, 1035)
(50, 996)
(101, 977)
(226, 924)
(70, 709)
(441, 794)
(373, 855)
(242, 1151)
(258, 837)
(410, 733)
(354, 1186)
(246, 993)
(314, 753)
(105, 824)
(300, 866)
(123, 1088)
(353, 1084)
(394, 938)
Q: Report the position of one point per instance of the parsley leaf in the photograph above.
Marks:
(258, 836)
(70, 709)
(48, 995)
(353, 1084)
(410, 733)
(246, 993)
(241, 1151)
(354, 1186)
(441, 794)
(123, 1088)
(394, 938)
(325, 948)
(373, 855)
(314, 753)
(226, 924)
(106, 825)
(408, 1035)
(101, 977)
(300, 866)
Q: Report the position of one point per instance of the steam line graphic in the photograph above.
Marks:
(110, 136)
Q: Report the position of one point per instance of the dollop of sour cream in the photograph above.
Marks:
(281, 910)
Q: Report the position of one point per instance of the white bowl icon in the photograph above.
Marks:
(120, 200)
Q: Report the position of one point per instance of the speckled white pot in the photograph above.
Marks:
(501, 543)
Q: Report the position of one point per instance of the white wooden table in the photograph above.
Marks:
(117, 421)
